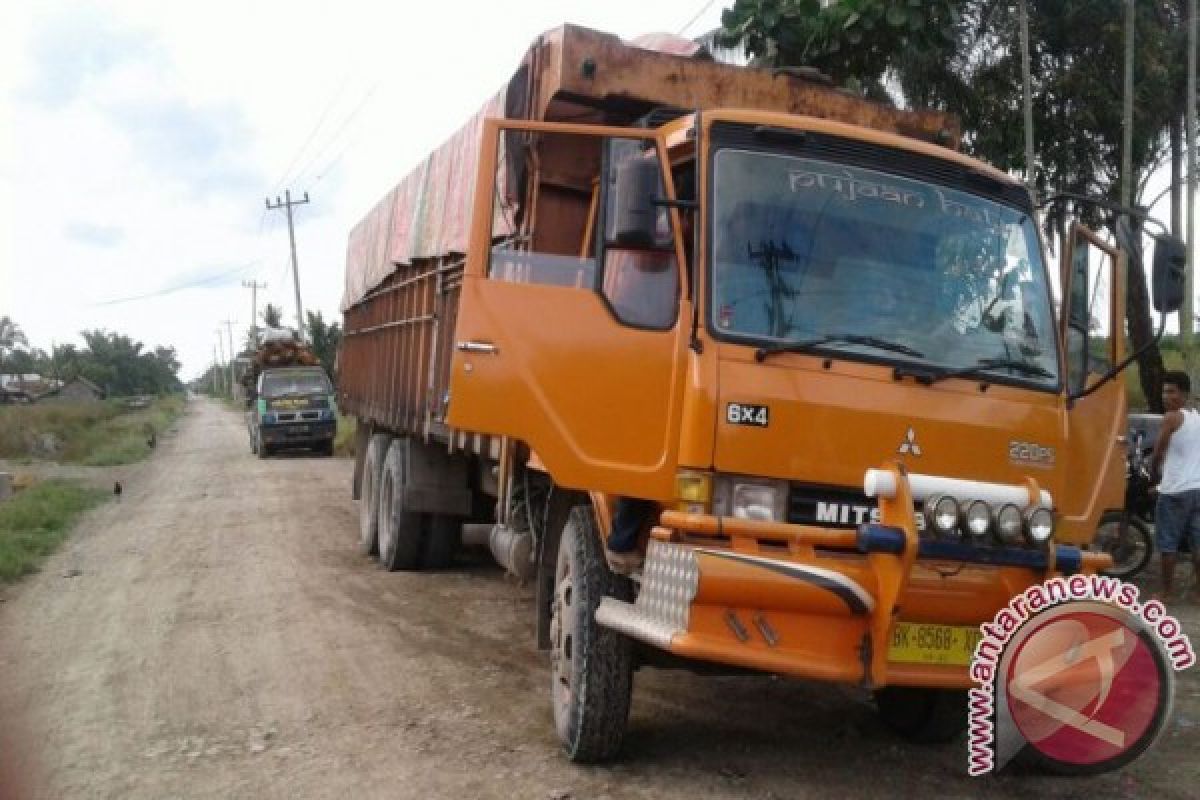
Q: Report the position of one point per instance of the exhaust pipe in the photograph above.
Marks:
(476, 534)
(512, 550)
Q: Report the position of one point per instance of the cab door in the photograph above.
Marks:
(1093, 332)
(553, 345)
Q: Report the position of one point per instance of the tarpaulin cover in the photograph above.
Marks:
(428, 214)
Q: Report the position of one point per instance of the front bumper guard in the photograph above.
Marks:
(822, 603)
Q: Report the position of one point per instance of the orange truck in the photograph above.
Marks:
(801, 350)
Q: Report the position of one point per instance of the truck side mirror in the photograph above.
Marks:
(635, 216)
(1170, 262)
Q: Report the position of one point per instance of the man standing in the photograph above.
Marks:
(1177, 459)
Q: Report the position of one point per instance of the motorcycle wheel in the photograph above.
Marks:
(1130, 549)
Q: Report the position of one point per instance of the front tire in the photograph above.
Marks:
(591, 666)
(926, 716)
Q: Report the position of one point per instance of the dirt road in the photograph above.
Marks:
(224, 638)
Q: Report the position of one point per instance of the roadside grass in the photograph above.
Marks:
(35, 521)
(343, 444)
(96, 434)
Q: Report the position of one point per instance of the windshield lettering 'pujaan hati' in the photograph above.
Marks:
(276, 384)
(805, 248)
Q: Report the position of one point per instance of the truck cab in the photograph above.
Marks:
(863, 426)
(292, 407)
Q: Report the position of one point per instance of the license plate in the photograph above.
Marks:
(298, 429)
(924, 643)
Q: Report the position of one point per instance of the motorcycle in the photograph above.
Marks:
(1127, 535)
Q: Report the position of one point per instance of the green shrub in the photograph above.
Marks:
(34, 523)
(343, 444)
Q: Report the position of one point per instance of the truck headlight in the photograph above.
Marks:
(942, 513)
(978, 520)
(1007, 524)
(1039, 525)
(754, 501)
(750, 498)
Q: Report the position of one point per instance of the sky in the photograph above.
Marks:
(139, 140)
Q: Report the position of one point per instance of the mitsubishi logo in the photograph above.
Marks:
(909, 446)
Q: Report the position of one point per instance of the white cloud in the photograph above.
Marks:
(144, 137)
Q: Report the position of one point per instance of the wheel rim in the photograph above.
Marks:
(366, 512)
(563, 635)
(385, 516)
(1126, 551)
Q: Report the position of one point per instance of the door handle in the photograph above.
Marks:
(471, 346)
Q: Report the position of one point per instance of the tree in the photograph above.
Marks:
(272, 316)
(966, 59)
(65, 360)
(11, 336)
(325, 339)
(118, 363)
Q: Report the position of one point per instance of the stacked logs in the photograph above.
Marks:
(277, 353)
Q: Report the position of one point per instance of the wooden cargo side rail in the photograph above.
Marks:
(395, 360)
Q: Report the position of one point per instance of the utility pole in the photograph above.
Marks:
(1028, 101)
(287, 204)
(254, 286)
(221, 348)
(1187, 319)
(229, 328)
(1122, 276)
(1127, 116)
(216, 374)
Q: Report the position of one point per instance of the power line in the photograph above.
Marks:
(695, 17)
(193, 284)
(337, 95)
(333, 139)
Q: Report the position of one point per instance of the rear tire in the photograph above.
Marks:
(368, 504)
(401, 532)
(1131, 551)
(926, 716)
(441, 541)
(591, 666)
(263, 449)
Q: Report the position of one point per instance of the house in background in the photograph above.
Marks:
(76, 390)
(29, 385)
(11, 396)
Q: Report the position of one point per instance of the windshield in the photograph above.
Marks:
(279, 384)
(805, 249)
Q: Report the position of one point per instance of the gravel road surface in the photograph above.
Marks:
(216, 634)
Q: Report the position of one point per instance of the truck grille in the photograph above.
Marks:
(293, 416)
(830, 506)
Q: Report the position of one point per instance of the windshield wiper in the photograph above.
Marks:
(989, 364)
(835, 338)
